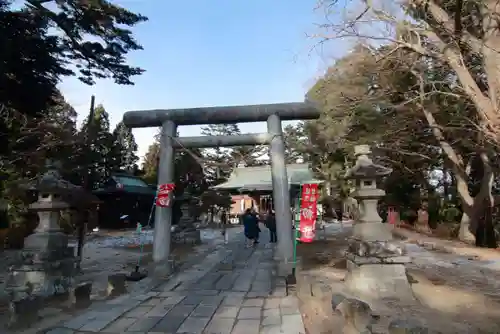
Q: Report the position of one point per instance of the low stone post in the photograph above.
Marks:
(375, 262)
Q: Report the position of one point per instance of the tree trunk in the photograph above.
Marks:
(465, 233)
(491, 43)
(460, 173)
(477, 218)
(485, 233)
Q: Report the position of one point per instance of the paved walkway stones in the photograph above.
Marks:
(244, 297)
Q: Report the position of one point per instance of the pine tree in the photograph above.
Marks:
(219, 161)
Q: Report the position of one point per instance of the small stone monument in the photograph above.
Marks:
(186, 231)
(375, 262)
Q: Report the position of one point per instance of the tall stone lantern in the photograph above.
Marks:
(186, 231)
(46, 265)
(375, 262)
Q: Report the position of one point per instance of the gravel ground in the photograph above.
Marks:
(108, 252)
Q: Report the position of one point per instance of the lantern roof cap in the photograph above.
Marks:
(365, 168)
(52, 182)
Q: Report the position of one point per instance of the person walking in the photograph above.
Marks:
(257, 219)
(223, 223)
(251, 228)
(271, 226)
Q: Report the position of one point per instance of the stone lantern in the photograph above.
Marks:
(186, 231)
(47, 265)
(375, 262)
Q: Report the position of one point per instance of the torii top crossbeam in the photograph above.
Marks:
(221, 115)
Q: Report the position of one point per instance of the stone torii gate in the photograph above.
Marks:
(169, 119)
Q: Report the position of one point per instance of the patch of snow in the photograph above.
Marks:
(133, 238)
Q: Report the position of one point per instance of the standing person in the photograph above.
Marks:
(251, 228)
(271, 225)
(223, 222)
(256, 217)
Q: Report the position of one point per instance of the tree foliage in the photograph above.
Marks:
(43, 42)
(427, 98)
(125, 147)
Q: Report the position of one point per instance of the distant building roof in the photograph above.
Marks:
(126, 183)
(259, 177)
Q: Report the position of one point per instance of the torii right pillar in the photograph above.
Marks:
(375, 261)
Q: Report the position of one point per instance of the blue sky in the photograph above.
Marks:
(213, 52)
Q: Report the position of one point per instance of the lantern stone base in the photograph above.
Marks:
(42, 276)
(187, 236)
(379, 281)
(377, 270)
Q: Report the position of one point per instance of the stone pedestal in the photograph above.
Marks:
(375, 262)
(47, 265)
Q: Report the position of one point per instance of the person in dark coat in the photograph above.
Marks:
(251, 227)
(271, 225)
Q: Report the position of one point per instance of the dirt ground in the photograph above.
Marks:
(455, 293)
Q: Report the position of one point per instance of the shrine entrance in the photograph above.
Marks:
(273, 114)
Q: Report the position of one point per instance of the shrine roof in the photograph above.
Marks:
(259, 177)
(119, 183)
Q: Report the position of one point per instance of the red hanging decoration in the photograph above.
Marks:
(163, 197)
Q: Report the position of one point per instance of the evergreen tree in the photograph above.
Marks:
(125, 147)
(150, 163)
(218, 161)
(98, 152)
(46, 41)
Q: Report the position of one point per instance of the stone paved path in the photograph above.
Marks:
(233, 290)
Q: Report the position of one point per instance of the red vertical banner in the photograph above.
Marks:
(308, 212)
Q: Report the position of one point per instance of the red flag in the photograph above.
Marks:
(163, 196)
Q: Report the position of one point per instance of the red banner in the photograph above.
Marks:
(308, 212)
(391, 216)
(163, 195)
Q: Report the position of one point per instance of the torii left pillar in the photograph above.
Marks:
(273, 114)
(162, 234)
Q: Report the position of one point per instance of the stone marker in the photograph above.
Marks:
(24, 311)
(375, 262)
(117, 285)
(79, 295)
